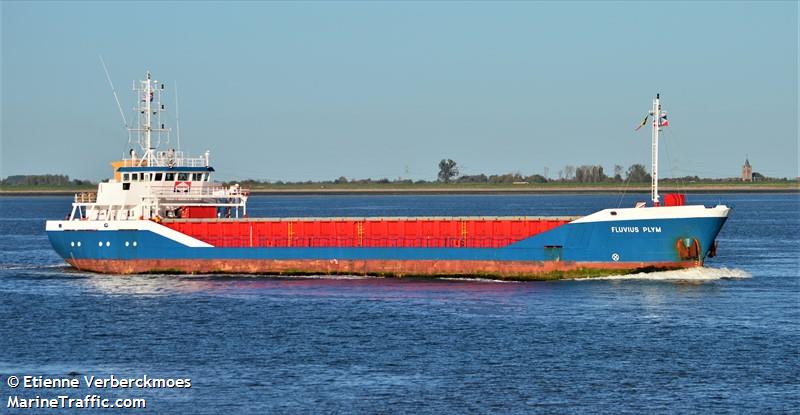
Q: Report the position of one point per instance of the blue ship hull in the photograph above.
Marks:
(631, 239)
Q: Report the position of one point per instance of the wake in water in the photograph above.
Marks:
(319, 277)
(689, 274)
(467, 279)
(33, 267)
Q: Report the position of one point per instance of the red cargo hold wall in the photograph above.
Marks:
(387, 232)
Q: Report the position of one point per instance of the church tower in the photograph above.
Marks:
(747, 171)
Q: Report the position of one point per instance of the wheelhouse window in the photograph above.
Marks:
(197, 177)
(125, 177)
(146, 177)
(169, 177)
(134, 177)
(158, 177)
(182, 177)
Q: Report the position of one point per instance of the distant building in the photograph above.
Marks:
(747, 171)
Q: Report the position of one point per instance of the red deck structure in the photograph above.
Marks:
(366, 232)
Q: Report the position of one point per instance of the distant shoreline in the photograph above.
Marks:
(322, 190)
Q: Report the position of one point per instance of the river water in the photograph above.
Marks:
(723, 338)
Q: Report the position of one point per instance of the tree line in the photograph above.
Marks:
(42, 180)
(449, 173)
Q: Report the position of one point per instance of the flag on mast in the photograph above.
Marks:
(644, 122)
(662, 121)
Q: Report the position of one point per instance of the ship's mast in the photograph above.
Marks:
(148, 107)
(656, 114)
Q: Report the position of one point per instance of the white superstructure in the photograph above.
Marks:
(159, 183)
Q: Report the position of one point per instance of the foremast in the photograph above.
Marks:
(654, 156)
(659, 120)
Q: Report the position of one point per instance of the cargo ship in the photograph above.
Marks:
(162, 212)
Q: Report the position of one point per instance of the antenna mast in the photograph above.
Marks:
(177, 118)
(114, 91)
(149, 107)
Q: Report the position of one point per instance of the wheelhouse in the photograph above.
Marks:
(165, 175)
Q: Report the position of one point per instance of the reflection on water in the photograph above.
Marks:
(158, 284)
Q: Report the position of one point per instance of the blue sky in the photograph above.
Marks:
(317, 90)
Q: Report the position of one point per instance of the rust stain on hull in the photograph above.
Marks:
(515, 270)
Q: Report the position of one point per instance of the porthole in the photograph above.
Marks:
(613, 213)
(79, 243)
(134, 243)
(108, 243)
(105, 225)
(100, 243)
(127, 243)
(72, 243)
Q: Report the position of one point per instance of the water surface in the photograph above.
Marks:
(722, 339)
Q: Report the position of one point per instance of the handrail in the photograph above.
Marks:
(168, 159)
(355, 242)
(86, 197)
(186, 190)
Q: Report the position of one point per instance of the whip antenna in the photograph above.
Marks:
(114, 91)
(177, 118)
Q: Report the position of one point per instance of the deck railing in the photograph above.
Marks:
(86, 197)
(185, 190)
(355, 242)
(168, 159)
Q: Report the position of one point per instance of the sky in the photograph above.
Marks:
(318, 90)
